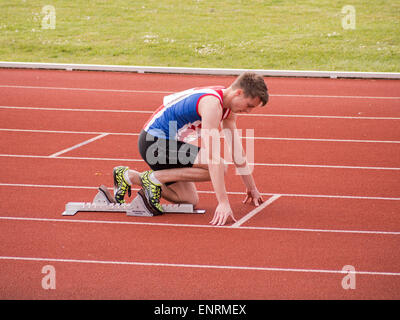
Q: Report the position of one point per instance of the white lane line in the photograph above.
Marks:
(78, 109)
(54, 155)
(333, 96)
(253, 212)
(326, 140)
(160, 224)
(72, 158)
(85, 89)
(69, 132)
(316, 116)
(27, 185)
(255, 164)
(202, 266)
(169, 92)
(322, 166)
(255, 138)
(240, 115)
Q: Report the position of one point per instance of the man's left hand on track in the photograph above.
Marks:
(254, 196)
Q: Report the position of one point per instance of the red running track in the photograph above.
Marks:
(327, 149)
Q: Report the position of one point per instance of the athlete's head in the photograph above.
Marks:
(247, 92)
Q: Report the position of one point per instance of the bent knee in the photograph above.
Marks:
(194, 200)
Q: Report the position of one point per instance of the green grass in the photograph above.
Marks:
(257, 34)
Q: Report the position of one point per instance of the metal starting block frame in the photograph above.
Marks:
(105, 202)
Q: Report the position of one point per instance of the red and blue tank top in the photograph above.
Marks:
(178, 117)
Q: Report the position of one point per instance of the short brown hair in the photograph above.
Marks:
(253, 85)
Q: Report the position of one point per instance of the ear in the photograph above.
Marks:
(238, 92)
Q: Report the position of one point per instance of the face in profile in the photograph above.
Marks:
(242, 104)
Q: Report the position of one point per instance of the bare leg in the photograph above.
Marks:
(182, 174)
(183, 190)
(199, 172)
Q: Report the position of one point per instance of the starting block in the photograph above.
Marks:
(105, 202)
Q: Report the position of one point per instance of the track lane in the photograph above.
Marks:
(174, 82)
(330, 214)
(99, 281)
(276, 180)
(38, 143)
(279, 152)
(271, 127)
(287, 212)
(148, 101)
(171, 245)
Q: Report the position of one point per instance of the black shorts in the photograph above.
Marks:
(162, 154)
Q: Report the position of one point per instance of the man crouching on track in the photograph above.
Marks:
(177, 164)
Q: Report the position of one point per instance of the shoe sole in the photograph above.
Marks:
(107, 194)
(147, 201)
(149, 207)
(116, 185)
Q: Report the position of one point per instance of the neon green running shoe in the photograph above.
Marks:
(120, 185)
(151, 191)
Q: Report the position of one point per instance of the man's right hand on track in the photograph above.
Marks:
(221, 215)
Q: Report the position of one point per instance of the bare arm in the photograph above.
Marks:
(211, 114)
(232, 139)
